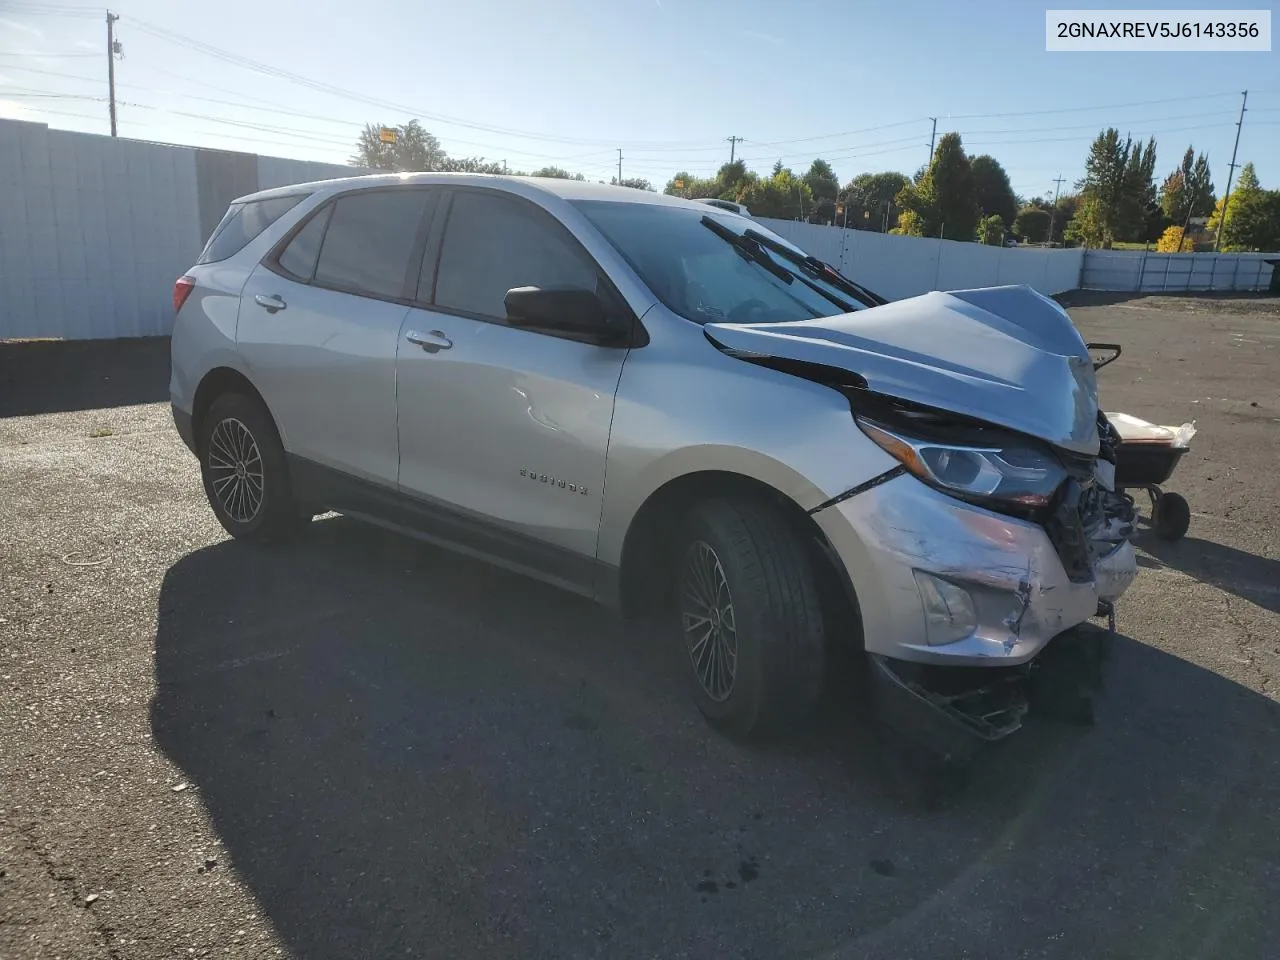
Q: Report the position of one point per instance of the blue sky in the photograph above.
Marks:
(569, 81)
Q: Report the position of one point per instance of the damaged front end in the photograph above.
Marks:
(1000, 534)
(953, 709)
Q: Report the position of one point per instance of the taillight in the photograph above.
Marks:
(182, 288)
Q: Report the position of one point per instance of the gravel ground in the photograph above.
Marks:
(360, 746)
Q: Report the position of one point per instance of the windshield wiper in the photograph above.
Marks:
(752, 246)
(749, 249)
(818, 269)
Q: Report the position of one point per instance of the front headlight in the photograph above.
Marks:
(1014, 474)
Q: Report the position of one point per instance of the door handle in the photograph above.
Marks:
(271, 304)
(432, 341)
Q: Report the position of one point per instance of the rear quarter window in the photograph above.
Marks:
(243, 222)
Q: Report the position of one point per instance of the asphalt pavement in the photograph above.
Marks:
(361, 746)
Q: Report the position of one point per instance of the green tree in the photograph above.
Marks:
(1188, 190)
(1173, 197)
(1061, 214)
(942, 202)
(636, 183)
(1089, 226)
(991, 188)
(782, 195)
(1140, 216)
(557, 173)
(1031, 224)
(869, 198)
(991, 230)
(1252, 216)
(731, 182)
(411, 148)
(471, 165)
(685, 184)
(1117, 192)
(825, 187)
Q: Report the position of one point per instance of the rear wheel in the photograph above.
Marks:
(245, 473)
(750, 616)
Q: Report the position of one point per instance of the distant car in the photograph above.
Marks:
(728, 205)
(670, 409)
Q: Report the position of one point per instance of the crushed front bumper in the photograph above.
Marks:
(1025, 638)
(896, 538)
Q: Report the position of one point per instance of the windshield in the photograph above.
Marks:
(697, 274)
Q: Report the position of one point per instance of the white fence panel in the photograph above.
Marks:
(894, 267)
(1150, 272)
(94, 229)
(93, 232)
(966, 265)
(898, 267)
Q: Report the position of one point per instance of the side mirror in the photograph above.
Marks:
(567, 309)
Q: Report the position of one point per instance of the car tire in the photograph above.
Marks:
(245, 472)
(751, 618)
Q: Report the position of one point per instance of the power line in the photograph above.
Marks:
(847, 133)
(1092, 126)
(1109, 106)
(322, 87)
(47, 56)
(51, 10)
(25, 94)
(1084, 136)
(55, 73)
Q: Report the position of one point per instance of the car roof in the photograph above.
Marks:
(559, 187)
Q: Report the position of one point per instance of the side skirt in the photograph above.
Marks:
(446, 526)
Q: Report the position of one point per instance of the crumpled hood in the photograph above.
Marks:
(1006, 355)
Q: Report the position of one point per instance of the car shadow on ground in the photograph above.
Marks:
(53, 376)
(407, 753)
(1246, 575)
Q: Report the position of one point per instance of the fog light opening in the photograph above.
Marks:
(948, 609)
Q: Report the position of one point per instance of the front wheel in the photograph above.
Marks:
(750, 615)
(245, 473)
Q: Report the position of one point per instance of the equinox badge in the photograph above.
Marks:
(553, 481)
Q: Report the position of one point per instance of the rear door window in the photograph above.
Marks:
(370, 242)
(243, 222)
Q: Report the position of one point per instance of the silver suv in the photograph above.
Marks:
(665, 407)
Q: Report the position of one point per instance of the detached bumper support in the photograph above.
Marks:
(953, 711)
(951, 724)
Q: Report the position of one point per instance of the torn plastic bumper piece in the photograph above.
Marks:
(951, 711)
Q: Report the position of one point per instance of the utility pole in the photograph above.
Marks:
(111, 66)
(1053, 211)
(932, 137)
(619, 166)
(733, 144)
(504, 167)
(1231, 172)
